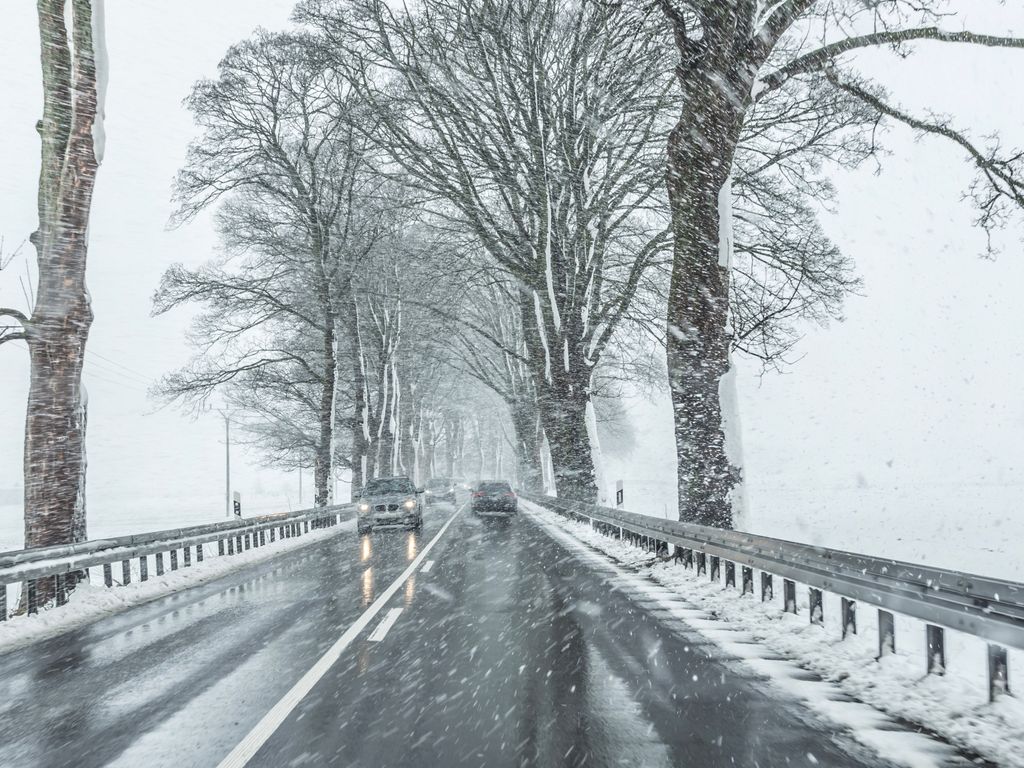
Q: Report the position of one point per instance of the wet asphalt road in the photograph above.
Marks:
(508, 652)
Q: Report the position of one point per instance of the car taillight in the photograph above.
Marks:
(510, 495)
(477, 494)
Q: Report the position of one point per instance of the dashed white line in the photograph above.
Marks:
(386, 623)
(265, 728)
(427, 566)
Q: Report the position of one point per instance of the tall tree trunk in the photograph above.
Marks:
(563, 409)
(527, 436)
(359, 426)
(406, 429)
(57, 332)
(700, 155)
(323, 462)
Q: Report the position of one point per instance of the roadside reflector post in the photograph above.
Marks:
(715, 568)
(817, 606)
(998, 672)
(730, 573)
(159, 563)
(936, 644)
(849, 617)
(789, 596)
(748, 580)
(143, 568)
(886, 633)
(767, 591)
(108, 575)
(126, 572)
(702, 563)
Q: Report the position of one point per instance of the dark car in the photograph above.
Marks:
(389, 502)
(440, 489)
(494, 499)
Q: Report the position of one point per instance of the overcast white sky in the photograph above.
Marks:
(917, 392)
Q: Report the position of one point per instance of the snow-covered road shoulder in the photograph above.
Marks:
(847, 685)
(91, 602)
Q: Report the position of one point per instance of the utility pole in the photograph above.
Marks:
(227, 464)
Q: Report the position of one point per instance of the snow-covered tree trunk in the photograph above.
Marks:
(700, 152)
(527, 436)
(73, 64)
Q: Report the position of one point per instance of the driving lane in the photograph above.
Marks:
(180, 680)
(510, 651)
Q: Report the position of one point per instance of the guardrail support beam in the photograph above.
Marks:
(817, 606)
(272, 535)
(998, 672)
(886, 633)
(849, 617)
(789, 596)
(936, 648)
(767, 591)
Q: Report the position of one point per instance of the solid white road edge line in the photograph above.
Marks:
(427, 566)
(386, 623)
(264, 729)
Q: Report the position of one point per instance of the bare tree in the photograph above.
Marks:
(71, 131)
(280, 143)
(740, 61)
(536, 126)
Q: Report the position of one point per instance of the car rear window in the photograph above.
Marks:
(495, 488)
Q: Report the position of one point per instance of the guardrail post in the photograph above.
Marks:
(998, 672)
(886, 633)
(245, 539)
(272, 535)
(174, 559)
(936, 637)
(715, 568)
(748, 580)
(702, 563)
(849, 617)
(186, 552)
(231, 545)
(238, 543)
(108, 575)
(306, 526)
(143, 568)
(199, 553)
(767, 592)
(688, 558)
(126, 572)
(263, 538)
(220, 546)
(730, 573)
(61, 588)
(159, 563)
(817, 606)
(33, 603)
(789, 596)
(3, 602)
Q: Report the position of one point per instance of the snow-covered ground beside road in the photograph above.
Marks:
(954, 705)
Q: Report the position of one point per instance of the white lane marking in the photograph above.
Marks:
(264, 729)
(427, 566)
(386, 623)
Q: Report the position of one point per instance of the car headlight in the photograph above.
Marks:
(410, 504)
(364, 507)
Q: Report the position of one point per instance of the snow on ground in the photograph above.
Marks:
(93, 601)
(954, 705)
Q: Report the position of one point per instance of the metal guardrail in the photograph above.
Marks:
(31, 566)
(987, 608)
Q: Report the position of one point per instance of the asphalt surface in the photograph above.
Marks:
(507, 650)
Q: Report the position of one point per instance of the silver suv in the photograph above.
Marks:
(389, 502)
